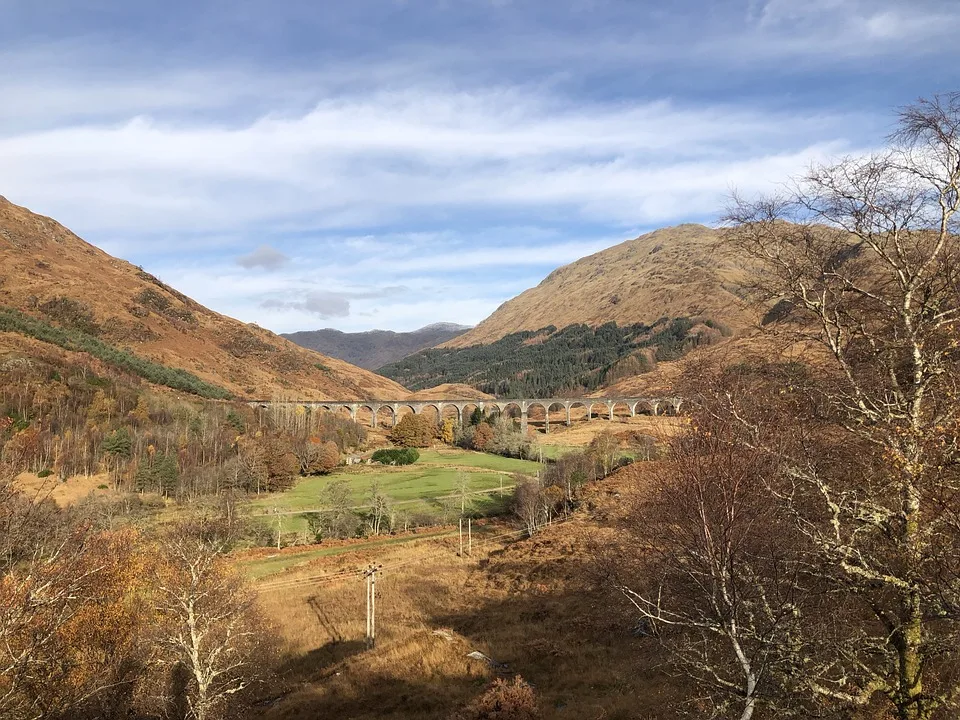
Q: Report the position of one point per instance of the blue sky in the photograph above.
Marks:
(393, 163)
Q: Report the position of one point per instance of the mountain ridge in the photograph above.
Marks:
(373, 349)
(673, 272)
(58, 280)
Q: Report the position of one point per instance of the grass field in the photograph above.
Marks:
(262, 567)
(534, 604)
(418, 488)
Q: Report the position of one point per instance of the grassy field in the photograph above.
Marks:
(533, 604)
(261, 567)
(418, 488)
(552, 452)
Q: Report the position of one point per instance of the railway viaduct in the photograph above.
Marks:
(521, 407)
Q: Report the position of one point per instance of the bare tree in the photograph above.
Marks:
(208, 618)
(710, 565)
(527, 503)
(379, 507)
(606, 448)
(862, 258)
(339, 520)
(462, 490)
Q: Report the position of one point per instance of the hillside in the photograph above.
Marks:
(375, 348)
(56, 287)
(548, 362)
(674, 272)
(450, 391)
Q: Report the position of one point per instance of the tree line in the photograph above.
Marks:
(83, 417)
(81, 340)
(550, 362)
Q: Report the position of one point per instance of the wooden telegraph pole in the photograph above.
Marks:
(470, 537)
(371, 575)
(461, 537)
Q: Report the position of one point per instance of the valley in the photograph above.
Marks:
(704, 472)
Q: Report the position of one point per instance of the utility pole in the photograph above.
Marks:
(279, 525)
(470, 537)
(461, 537)
(371, 575)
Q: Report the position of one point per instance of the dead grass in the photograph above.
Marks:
(581, 432)
(65, 493)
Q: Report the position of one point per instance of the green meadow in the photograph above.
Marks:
(426, 487)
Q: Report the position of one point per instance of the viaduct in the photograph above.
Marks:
(521, 407)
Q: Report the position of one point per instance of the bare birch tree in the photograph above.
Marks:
(59, 583)
(709, 565)
(862, 257)
(209, 627)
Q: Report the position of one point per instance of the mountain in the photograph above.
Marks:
(674, 272)
(606, 318)
(450, 391)
(375, 348)
(59, 289)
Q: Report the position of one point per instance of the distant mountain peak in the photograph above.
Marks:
(375, 348)
(444, 327)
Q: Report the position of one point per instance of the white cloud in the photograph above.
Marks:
(348, 168)
(831, 31)
(370, 160)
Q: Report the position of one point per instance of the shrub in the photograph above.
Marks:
(46, 472)
(503, 700)
(71, 314)
(396, 456)
(482, 437)
(150, 298)
(413, 431)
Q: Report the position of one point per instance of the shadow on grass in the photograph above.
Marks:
(318, 662)
(538, 612)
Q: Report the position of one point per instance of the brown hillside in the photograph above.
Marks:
(50, 273)
(679, 271)
(451, 391)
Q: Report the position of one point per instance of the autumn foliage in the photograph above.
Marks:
(414, 431)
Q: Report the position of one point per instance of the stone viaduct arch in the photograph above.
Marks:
(635, 406)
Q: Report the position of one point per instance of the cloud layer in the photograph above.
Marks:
(394, 164)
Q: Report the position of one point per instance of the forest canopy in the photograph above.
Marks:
(550, 362)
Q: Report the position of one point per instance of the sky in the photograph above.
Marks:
(394, 163)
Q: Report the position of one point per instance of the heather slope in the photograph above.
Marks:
(675, 272)
(50, 274)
